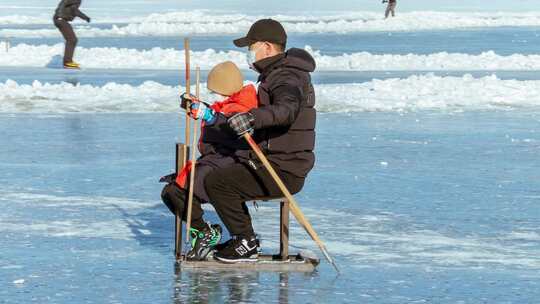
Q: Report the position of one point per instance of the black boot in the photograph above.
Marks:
(239, 249)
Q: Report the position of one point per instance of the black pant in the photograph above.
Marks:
(229, 188)
(175, 198)
(69, 35)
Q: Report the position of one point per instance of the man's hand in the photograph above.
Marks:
(186, 100)
(242, 123)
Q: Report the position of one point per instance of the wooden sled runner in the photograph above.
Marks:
(283, 261)
(271, 263)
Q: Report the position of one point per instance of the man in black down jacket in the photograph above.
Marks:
(283, 126)
(66, 11)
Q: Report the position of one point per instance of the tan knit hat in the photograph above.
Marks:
(225, 79)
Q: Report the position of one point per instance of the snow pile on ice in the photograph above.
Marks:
(158, 58)
(21, 19)
(425, 92)
(65, 97)
(365, 61)
(205, 22)
(429, 92)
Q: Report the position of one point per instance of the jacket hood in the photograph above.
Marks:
(299, 59)
(241, 101)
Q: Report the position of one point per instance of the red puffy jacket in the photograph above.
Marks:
(216, 140)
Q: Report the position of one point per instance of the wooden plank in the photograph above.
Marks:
(284, 230)
(265, 263)
(182, 151)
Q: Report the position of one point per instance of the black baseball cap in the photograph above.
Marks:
(263, 30)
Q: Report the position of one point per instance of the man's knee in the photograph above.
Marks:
(215, 183)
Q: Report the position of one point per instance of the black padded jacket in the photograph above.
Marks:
(69, 9)
(285, 119)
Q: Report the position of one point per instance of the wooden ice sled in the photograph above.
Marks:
(283, 261)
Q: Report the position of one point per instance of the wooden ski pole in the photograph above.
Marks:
(188, 86)
(193, 161)
(292, 202)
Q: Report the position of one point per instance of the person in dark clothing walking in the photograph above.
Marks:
(66, 11)
(390, 8)
(283, 126)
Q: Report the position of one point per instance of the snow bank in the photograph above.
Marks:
(21, 19)
(158, 58)
(426, 92)
(205, 22)
(429, 92)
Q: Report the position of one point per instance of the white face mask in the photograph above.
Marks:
(252, 57)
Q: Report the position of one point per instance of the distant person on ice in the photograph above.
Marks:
(218, 145)
(391, 8)
(66, 11)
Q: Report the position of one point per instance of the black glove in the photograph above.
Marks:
(242, 123)
(169, 179)
(88, 19)
(186, 100)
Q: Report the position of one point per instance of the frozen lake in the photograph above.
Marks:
(503, 41)
(434, 207)
(426, 187)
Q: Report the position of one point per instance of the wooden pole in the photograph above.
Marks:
(188, 86)
(292, 202)
(193, 161)
(178, 218)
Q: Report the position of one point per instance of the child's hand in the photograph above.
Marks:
(199, 110)
(186, 100)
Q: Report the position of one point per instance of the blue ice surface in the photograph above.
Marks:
(420, 207)
(502, 40)
(433, 207)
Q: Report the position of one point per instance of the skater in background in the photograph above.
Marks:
(391, 8)
(66, 11)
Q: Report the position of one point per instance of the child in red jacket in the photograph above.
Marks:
(217, 146)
